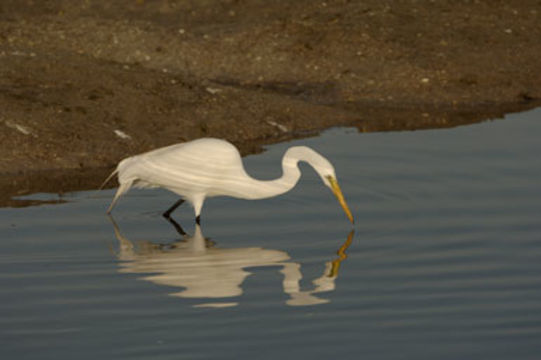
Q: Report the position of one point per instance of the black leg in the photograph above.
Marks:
(198, 219)
(177, 226)
(167, 214)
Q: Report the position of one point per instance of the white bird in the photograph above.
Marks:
(210, 167)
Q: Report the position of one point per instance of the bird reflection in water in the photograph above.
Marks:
(204, 271)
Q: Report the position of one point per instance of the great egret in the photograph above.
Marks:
(210, 167)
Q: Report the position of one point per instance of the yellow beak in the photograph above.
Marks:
(338, 193)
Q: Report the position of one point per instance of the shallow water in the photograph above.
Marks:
(444, 263)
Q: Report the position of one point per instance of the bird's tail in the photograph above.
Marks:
(124, 181)
(108, 178)
(122, 189)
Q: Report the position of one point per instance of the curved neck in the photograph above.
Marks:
(258, 189)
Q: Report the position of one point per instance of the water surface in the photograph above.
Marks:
(444, 262)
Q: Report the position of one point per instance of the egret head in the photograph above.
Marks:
(325, 170)
(322, 166)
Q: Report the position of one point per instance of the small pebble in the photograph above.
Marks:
(121, 134)
(280, 127)
(213, 90)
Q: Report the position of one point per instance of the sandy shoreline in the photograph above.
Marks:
(86, 83)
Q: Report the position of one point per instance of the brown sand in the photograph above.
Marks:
(84, 83)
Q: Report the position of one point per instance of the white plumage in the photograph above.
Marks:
(210, 167)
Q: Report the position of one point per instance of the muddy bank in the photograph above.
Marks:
(86, 83)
